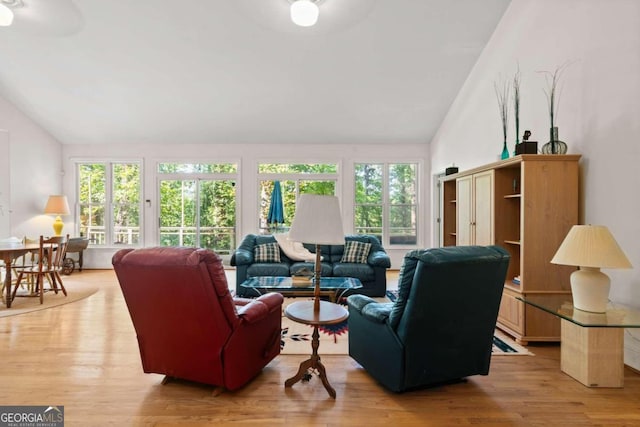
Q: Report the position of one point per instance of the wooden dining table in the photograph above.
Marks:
(9, 252)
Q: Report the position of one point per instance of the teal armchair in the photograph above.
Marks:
(440, 328)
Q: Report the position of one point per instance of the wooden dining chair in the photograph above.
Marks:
(48, 266)
(23, 261)
(26, 261)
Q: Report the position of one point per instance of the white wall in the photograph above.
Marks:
(5, 188)
(35, 167)
(599, 112)
(248, 156)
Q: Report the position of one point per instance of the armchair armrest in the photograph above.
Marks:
(379, 259)
(369, 308)
(239, 301)
(272, 300)
(252, 311)
(242, 257)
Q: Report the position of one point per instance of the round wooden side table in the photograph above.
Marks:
(304, 312)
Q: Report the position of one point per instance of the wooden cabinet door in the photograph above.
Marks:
(483, 208)
(464, 211)
(474, 195)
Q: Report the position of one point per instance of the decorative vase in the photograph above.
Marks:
(554, 146)
(505, 152)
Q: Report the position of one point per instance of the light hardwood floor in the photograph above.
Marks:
(84, 356)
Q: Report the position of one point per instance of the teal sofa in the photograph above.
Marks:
(372, 274)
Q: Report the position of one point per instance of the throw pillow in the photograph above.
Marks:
(267, 252)
(355, 251)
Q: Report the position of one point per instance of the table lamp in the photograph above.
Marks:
(318, 221)
(57, 205)
(590, 247)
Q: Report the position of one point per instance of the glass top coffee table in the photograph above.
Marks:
(332, 287)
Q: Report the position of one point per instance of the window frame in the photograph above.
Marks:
(200, 176)
(297, 178)
(109, 202)
(385, 203)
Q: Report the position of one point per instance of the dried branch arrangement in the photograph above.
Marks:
(502, 94)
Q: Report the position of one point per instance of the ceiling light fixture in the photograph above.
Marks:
(304, 12)
(6, 16)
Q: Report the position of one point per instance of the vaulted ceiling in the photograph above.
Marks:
(239, 71)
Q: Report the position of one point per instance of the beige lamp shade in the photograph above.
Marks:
(317, 220)
(591, 246)
(57, 205)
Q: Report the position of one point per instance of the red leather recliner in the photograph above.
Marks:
(187, 323)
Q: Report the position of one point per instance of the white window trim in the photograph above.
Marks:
(385, 200)
(109, 205)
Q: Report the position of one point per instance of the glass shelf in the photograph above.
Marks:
(614, 317)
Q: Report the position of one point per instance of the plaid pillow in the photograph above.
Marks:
(267, 252)
(356, 252)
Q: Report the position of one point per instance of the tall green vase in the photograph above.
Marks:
(505, 151)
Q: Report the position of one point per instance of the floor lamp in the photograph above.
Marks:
(318, 221)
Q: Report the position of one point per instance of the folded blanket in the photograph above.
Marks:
(294, 250)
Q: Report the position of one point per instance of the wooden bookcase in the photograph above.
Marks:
(535, 203)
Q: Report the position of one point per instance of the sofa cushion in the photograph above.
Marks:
(268, 269)
(267, 252)
(363, 272)
(326, 269)
(356, 252)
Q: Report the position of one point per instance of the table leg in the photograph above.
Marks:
(313, 363)
(594, 356)
(7, 281)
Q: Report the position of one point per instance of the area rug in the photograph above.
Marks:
(334, 339)
(76, 288)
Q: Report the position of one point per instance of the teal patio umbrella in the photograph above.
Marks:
(276, 208)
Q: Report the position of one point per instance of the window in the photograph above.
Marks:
(295, 179)
(109, 202)
(198, 205)
(386, 202)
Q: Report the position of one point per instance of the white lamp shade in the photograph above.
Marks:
(304, 13)
(591, 246)
(57, 205)
(317, 220)
(6, 16)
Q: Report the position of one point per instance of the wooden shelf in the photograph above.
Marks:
(512, 286)
(530, 223)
